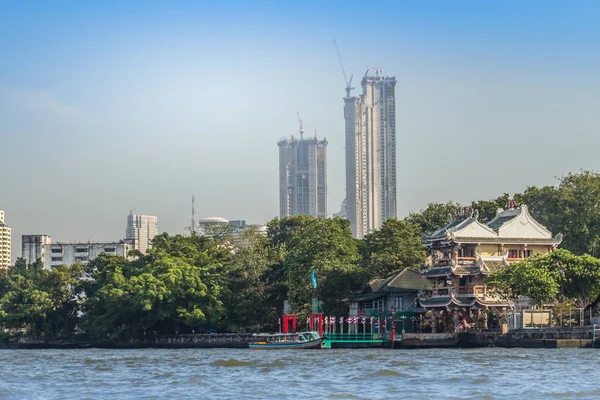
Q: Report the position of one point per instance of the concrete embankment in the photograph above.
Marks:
(205, 341)
(574, 337)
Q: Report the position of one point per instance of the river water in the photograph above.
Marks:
(491, 373)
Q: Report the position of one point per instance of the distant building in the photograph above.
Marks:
(239, 223)
(141, 229)
(371, 154)
(303, 177)
(342, 213)
(53, 254)
(32, 247)
(4, 242)
(56, 254)
(207, 225)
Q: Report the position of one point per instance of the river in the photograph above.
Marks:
(491, 373)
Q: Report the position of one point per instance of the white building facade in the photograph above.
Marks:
(370, 125)
(32, 247)
(141, 229)
(56, 254)
(5, 242)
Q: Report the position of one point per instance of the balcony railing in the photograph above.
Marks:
(441, 291)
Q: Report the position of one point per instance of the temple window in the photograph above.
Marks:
(527, 253)
(513, 254)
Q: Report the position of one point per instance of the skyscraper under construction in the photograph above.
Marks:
(371, 154)
(303, 176)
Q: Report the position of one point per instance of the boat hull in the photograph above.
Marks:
(311, 344)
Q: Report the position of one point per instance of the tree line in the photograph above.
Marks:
(232, 282)
(220, 281)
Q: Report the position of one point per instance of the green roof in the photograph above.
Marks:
(498, 222)
(405, 280)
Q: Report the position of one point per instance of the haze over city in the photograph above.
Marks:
(106, 108)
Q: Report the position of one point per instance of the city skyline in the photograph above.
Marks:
(104, 107)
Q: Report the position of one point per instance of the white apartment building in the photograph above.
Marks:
(141, 229)
(370, 125)
(33, 247)
(56, 254)
(4, 242)
(36, 247)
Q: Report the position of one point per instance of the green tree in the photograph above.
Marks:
(434, 217)
(397, 245)
(556, 276)
(45, 302)
(488, 208)
(303, 244)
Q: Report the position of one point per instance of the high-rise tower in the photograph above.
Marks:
(5, 241)
(370, 124)
(303, 177)
(141, 229)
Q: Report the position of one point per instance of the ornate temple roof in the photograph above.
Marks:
(514, 225)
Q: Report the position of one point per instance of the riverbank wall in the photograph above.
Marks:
(573, 337)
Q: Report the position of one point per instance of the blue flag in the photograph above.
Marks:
(314, 280)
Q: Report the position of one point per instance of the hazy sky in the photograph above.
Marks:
(110, 104)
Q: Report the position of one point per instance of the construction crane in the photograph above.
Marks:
(348, 82)
(300, 123)
(377, 70)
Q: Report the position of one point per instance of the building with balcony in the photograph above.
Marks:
(465, 252)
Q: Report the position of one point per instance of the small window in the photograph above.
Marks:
(110, 249)
(513, 254)
(57, 259)
(527, 253)
(57, 250)
(81, 250)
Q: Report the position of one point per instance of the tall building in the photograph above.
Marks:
(32, 247)
(4, 242)
(370, 125)
(141, 229)
(303, 177)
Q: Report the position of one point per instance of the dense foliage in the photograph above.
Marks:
(554, 277)
(198, 283)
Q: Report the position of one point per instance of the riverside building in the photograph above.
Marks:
(464, 252)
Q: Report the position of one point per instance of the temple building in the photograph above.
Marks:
(465, 252)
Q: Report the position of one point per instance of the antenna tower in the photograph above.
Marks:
(192, 227)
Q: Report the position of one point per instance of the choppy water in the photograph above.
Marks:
(339, 374)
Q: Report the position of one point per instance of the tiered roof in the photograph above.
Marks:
(514, 225)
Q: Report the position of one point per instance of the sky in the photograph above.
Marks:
(107, 106)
